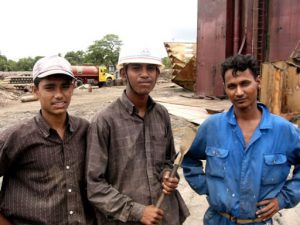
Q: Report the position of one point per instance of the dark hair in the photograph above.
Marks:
(240, 63)
(37, 81)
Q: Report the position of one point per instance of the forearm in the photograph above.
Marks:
(195, 176)
(289, 196)
(110, 202)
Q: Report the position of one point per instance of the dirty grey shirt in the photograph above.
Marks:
(43, 179)
(126, 157)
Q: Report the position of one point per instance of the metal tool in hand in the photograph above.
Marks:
(187, 141)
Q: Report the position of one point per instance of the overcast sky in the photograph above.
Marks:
(32, 28)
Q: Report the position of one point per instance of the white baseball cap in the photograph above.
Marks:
(51, 65)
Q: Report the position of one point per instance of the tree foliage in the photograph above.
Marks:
(3, 63)
(75, 58)
(105, 51)
(167, 62)
(102, 52)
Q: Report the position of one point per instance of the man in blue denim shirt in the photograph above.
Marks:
(248, 153)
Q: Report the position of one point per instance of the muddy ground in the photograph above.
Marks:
(86, 104)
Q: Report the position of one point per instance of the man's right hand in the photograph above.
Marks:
(151, 215)
(4, 221)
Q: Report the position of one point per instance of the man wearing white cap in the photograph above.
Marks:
(42, 160)
(130, 147)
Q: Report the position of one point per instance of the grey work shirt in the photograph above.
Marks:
(43, 179)
(126, 156)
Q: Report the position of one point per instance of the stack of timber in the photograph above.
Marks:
(183, 60)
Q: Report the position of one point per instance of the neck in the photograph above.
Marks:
(139, 101)
(250, 113)
(56, 122)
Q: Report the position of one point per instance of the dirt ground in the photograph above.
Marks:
(86, 104)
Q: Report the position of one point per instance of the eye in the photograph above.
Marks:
(231, 86)
(245, 83)
(151, 67)
(136, 66)
(49, 87)
(66, 86)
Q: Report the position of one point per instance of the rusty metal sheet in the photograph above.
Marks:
(284, 28)
(211, 46)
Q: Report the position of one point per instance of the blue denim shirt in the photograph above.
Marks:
(237, 176)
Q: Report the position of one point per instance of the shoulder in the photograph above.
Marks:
(79, 123)
(160, 108)
(110, 112)
(215, 119)
(19, 131)
(280, 123)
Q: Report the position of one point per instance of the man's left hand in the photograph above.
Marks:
(169, 183)
(268, 208)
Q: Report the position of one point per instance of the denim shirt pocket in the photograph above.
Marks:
(275, 170)
(216, 161)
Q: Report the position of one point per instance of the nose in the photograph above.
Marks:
(239, 91)
(58, 93)
(144, 71)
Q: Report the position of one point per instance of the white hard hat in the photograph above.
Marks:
(138, 55)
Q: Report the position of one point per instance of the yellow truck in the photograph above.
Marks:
(94, 75)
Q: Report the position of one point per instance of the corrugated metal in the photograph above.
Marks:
(284, 28)
(211, 46)
(267, 29)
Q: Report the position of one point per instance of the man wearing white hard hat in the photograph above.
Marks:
(42, 159)
(130, 147)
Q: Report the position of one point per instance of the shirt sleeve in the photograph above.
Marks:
(103, 196)
(193, 166)
(170, 149)
(289, 195)
(8, 149)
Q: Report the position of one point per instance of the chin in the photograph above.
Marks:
(59, 111)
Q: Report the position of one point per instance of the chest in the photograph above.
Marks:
(248, 129)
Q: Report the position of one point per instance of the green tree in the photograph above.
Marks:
(105, 51)
(167, 62)
(75, 58)
(3, 63)
(25, 64)
(12, 65)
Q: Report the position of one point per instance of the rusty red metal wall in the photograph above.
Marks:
(211, 46)
(284, 28)
(267, 29)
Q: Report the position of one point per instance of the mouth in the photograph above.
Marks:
(59, 104)
(147, 83)
(241, 100)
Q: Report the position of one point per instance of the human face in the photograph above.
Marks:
(54, 93)
(141, 78)
(241, 88)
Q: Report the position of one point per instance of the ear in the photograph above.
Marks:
(35, 91)
(258, 81)
(123, 74)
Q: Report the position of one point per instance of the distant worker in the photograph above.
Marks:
(248, 153)
(42, 159)
(130, 148)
